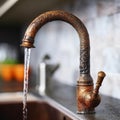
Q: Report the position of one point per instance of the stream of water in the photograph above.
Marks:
(26, 77)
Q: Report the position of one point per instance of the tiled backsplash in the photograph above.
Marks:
(61, 42)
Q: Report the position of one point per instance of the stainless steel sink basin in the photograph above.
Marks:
(38, 109)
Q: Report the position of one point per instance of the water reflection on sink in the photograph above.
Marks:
(11, 109)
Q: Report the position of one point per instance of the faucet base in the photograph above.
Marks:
(86, 101)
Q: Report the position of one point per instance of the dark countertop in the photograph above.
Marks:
(109, 108)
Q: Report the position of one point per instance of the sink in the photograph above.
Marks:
(38, 109)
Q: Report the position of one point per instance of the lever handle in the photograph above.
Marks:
(100, 78)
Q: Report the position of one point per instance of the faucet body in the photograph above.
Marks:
(87, 97)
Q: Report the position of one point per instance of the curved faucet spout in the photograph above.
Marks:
(37, 23)
(85, 82)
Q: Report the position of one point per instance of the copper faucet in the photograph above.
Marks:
(87, 96)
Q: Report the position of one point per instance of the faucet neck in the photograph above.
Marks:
(37, 23)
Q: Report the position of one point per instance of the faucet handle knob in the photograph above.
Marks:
(100, 78)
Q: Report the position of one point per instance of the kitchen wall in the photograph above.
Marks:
(61, 42)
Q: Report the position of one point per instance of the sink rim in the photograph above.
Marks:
(16, 97)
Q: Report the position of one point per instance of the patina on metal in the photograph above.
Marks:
(37, 23)
(87, 97)
(85, 82)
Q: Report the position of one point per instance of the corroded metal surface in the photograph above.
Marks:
(38, 22)
(87, 98)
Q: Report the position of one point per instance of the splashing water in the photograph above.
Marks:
(25, 88)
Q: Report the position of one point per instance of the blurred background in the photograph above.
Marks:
(57, 43)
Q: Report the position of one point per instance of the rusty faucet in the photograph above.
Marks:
(87, 96)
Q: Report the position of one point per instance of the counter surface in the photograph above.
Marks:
(109, 108)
